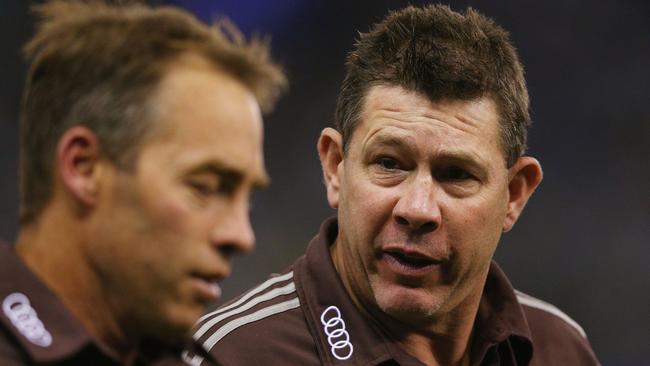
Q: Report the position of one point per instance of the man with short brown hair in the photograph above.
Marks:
(426, 170)
(141, 141)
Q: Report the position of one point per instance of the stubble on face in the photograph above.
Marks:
(443, 164)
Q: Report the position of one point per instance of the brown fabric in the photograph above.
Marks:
(261, 328)
(70, 342)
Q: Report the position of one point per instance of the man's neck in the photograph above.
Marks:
(435, 349)
(52, 249)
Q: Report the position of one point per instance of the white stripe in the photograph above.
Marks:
(285, 290)
(260, 314)
(526, 299)
(192, 361)
(253, 292)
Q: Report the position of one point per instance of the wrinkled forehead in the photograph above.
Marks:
(479, 114)
(387, 101)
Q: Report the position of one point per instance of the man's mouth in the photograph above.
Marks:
(409, 263)
(207, 286)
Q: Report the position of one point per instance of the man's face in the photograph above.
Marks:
(163, 235)
(422, 202)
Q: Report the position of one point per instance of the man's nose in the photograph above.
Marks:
(417, 209)
(232, 232)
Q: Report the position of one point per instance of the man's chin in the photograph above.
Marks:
(411, 306)
(177, 324)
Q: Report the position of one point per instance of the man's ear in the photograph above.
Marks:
(78, 157)
(330, 150)
(524, 176)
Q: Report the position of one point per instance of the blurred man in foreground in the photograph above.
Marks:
(426, 169)
(141, 140)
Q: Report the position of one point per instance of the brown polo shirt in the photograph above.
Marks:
(36, 328)
(305, 317)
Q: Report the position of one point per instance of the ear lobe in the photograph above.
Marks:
(77, 158)
(330, 151)
(525, 175)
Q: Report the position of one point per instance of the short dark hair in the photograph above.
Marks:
(95, 64)
(441, 54)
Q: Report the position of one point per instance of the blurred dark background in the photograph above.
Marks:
(583, 242)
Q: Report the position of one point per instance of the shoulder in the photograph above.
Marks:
(538, 310)
(557, 338)
(265, 323)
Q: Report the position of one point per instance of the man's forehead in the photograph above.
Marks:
(394, 97)
(386, 104)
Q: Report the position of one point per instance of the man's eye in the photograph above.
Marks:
(224, 185)
(203, 188)
(455, 173)
(389, 163)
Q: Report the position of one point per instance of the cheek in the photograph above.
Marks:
(367, 209)
(171, 216)
(475, 228)
(164, 236)
(170, 213)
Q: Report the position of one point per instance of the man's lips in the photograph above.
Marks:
(409, 262)
(414, 255)
(206, 285)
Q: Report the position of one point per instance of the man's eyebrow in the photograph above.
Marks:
(453, 156)
(460, 157)
(390, 141)
(230, 173)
